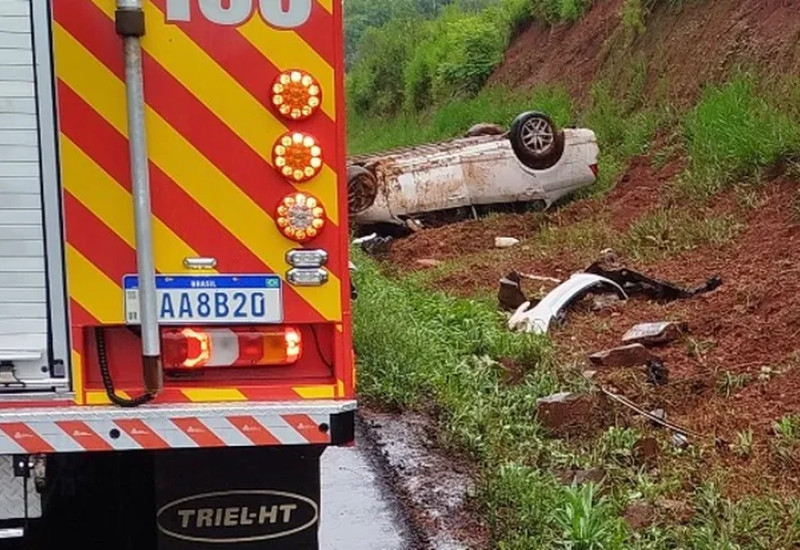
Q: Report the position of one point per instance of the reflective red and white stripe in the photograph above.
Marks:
(153, 431)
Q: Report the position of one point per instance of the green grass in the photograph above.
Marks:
(496, 105)
(668, 231)
(736, 131)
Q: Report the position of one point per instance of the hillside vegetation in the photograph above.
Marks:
(696, 106)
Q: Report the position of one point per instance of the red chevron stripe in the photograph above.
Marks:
(95, 240)
(80, 317)
(109, 149)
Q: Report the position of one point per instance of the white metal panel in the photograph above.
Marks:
(23, 294)
(24, 232)
(22, 279)
(21, 249)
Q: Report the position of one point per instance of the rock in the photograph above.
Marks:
(639, 515)
(570, 476)
(428, 262)
(655, 334)
(677, 510)
(505, 242)
(625, 356)
(592, 475)
(565, 410)
(646, 450)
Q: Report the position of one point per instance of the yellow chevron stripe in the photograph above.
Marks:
(315, 392)
(92, 288)
(224, 96)
(213, 395)
(111, 203)
(100, 397)
(327, 5)
(287, 50)
(177, 158)
(77, 377)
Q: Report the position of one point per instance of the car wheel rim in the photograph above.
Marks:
(361, 194)
(537, 136)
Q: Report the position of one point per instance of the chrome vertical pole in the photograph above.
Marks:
(130, 26)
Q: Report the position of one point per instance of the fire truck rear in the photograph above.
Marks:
(175, 349)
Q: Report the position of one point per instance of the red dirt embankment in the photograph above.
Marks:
(683, 48)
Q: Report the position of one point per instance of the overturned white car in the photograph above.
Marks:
(534, 163)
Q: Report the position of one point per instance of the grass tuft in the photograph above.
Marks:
(665, 232)
(734, 133)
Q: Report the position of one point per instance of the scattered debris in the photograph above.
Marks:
(635, 283)
(505, 242)
(680, 440)
(565, 410)
(555, 304)
(428, 262)
(660, 414)
(373, 244)
(635, 408)
(625, 356)
(606, 301)
(646, 450)
(639, 515)
(589, 374)
(657, 373)
(655, 334)
(510, 295)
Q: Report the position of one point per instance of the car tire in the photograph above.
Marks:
(536, 140)
(362, 189)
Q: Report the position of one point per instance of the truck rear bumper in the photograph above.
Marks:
(155, 427)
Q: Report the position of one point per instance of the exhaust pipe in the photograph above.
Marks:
(130, 26)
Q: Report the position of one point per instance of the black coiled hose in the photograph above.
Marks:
(108, 383)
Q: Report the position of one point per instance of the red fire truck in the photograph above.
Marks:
(175, 346)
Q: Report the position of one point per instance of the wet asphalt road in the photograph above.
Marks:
(358, 510)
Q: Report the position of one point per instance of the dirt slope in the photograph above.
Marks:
(682, 49)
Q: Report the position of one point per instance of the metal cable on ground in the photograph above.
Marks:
(108, 383)
(631, 405)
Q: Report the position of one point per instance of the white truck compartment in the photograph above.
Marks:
(33, 356)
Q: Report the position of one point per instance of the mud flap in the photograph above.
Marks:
(252, 498)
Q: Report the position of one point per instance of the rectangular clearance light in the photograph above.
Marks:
(307, 277)
(198, 348)
(307, 258)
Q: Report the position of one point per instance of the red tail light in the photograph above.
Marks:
(195, 348)
(595, 169)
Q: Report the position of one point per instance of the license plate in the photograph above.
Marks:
(211, 299)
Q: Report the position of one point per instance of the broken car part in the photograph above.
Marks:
(635, 283)
(555, 304)
(510, 295)
(657, 373)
